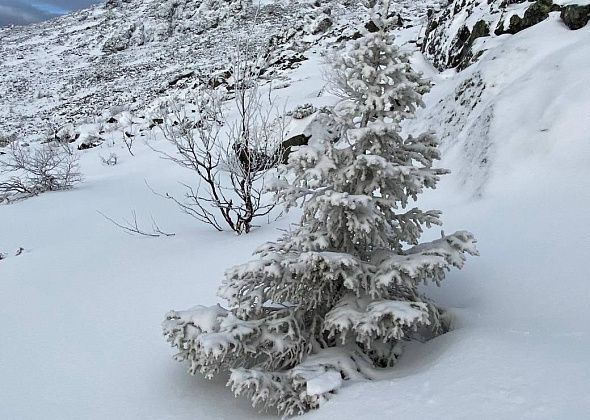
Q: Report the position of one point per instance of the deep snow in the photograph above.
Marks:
(81, 307)
(521, 335)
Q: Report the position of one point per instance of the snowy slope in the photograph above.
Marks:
(81, 308)
(123, 55)
(521, 338)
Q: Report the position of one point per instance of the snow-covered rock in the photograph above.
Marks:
(454, 29)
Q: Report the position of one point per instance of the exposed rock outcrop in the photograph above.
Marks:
(535, 13)
(575, 16)
(452, 32)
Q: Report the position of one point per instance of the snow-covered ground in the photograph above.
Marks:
(521, 337)
(81, 308)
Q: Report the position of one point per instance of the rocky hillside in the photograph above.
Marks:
(456, 32)
(483, 51)
(123, 54)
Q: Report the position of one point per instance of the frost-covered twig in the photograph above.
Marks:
(128, 140)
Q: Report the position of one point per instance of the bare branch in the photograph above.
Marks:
(132, 227)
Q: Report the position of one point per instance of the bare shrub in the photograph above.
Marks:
(230, 158)
(231, 153)
(26, 170)
(128, 131)
(111, 160)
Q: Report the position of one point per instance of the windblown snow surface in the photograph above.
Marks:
(81, 308)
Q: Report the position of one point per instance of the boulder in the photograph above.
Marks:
(575, 16)
(90, 142)
(371, 27)
(302, 111)
(180, 76)
(466, 57)
(322, 25)
(119, 41)
(287, 146)
(536, 13)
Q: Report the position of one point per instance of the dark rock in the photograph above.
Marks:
(287, 59)
(322, 25)
(480, 29)
(5, 140)
(111, 4)
(371, 27)
(180, 76)
(575, 16)
(448, 47)
(398, 19)
(254, 161)
(349, 37)
(287, 146)
(536, 13)
(91, 143)
(112, 120)
(155, 122)
(219, 78)
(460, 47)
(466, 58)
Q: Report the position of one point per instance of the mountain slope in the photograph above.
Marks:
(81, 305)
(123, 55)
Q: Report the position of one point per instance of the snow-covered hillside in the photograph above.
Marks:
(81, 305)
(123, 55)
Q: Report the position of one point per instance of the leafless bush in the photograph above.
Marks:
(231, 159)
(231, 154)
(128, 132)
(26, 170)
(111, 160)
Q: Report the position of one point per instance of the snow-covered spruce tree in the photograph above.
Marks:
(334, 299)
